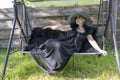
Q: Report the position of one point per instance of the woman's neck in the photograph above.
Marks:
(81, 28)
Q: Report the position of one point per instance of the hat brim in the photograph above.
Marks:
(82, 14)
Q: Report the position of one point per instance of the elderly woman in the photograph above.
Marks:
(53, 53)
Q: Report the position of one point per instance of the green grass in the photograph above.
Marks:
(89, 67)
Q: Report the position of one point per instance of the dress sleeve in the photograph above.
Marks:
(93, 31)
(89, 30)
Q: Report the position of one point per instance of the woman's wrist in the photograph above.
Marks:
(100, 50)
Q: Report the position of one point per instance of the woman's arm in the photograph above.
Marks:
(95, 45)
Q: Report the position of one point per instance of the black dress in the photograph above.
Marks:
(54, 53)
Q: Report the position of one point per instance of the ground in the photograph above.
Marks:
(80, 67)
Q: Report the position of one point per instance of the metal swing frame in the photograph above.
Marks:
(16, 19)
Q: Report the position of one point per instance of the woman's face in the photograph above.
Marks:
(80, 20)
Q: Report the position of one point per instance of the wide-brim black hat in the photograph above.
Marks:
(83, 14)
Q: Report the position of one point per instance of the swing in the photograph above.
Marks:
(41, 65)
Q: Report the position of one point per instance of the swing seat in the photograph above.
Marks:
(91, 53)
(81, 53)
(40, 35)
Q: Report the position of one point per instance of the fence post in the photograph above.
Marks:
(23, 20)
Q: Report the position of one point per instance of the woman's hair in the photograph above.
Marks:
(74, 26)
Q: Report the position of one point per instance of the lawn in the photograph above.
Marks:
(85, 67)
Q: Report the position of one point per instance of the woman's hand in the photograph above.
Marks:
(104, 53)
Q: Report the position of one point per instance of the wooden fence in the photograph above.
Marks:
(56, 18)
